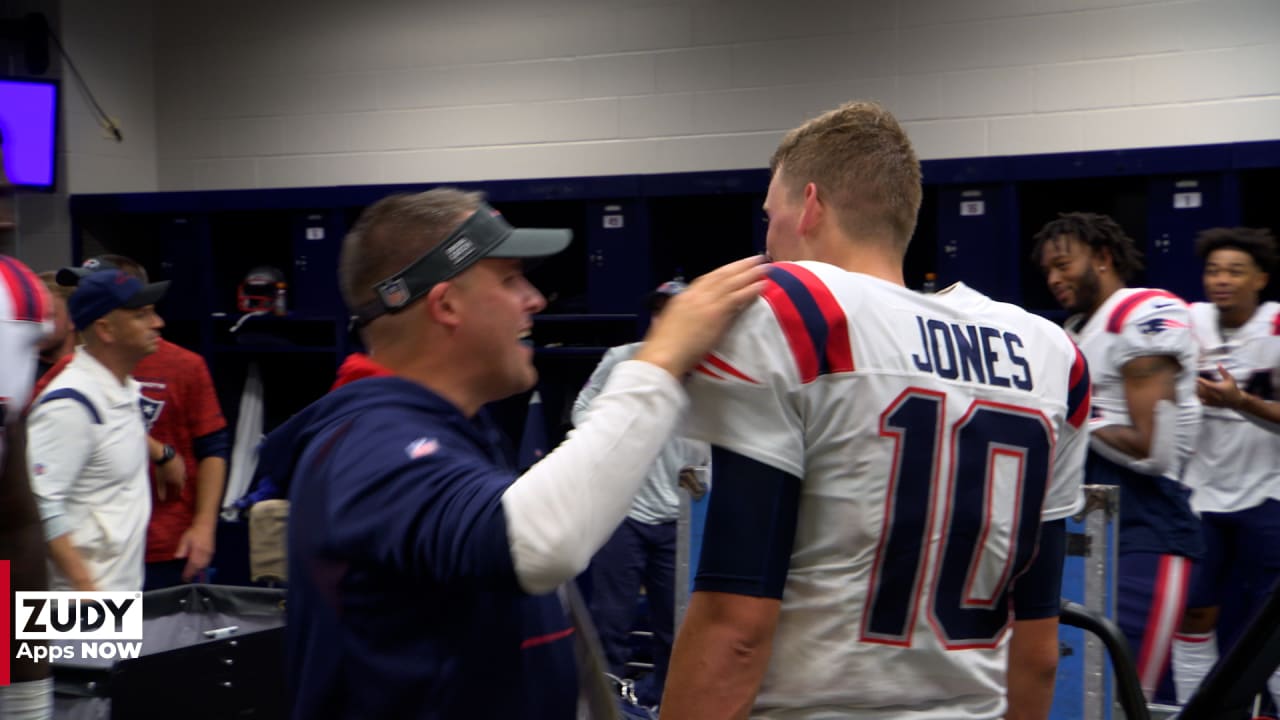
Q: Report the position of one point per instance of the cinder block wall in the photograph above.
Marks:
(251, 94)
(297, 92)
(111, 44)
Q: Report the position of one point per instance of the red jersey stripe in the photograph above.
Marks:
(27, 294)
(793, 328)
(1079, 392)
(839, 351)
(1121, 312)
(719, 363)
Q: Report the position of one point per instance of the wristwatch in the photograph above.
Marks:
(166, 455)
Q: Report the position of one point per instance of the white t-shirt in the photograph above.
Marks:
(1236, 465)
(919, 426)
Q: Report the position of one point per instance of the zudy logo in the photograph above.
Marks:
(78, 615)
(76, 624)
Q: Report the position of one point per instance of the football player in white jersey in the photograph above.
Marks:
(1235, 472)
(885, 535)
(1143, 358)
(26, 317)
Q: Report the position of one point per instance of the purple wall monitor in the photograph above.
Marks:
(28, 121)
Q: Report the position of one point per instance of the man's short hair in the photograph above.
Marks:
(1097, 231)
(394, 232)
(1259, 243)
(864, 166)
(128, 265)
(56, 289)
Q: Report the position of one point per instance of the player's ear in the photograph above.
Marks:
(813, 208)
(1260, 281)
(1102, 257)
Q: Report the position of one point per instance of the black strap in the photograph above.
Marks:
(471, 241)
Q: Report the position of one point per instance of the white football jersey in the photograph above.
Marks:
(1133, 323)
(26, 316)
(931, 434)
(1237, 464)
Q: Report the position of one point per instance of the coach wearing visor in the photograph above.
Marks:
(423, 572)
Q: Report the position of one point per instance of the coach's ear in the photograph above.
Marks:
(441, 306)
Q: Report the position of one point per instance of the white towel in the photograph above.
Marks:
(244, 454)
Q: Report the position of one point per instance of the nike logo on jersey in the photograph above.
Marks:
(974, 353)
(1161, 306)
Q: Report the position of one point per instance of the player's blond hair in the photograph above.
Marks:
(863, 164)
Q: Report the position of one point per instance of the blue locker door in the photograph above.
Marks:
(977, 239)
(1179, 207)
(317, 238)
(618, 255)
(185, 262)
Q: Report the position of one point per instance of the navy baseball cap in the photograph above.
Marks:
(671, 288)
(98, 293)
(71, 276)
(484, 234)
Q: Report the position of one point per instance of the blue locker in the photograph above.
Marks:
(1180, 206)
(618, 258)
(185, 262)
(317, 239)
(977, 239)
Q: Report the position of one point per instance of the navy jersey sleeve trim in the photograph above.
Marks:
(750, 528)
(76, 395)
(1037, 593)
(215, 444)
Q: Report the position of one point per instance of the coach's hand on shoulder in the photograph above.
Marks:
(695, 320)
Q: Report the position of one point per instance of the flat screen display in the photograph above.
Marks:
(28, 122)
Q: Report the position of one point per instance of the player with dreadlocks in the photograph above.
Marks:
(1142, 357)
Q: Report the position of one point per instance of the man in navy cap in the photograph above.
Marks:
(87, 448)
(642, 551)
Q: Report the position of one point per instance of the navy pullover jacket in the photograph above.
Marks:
(403, 601)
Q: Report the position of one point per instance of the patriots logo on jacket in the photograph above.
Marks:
(1155, 326)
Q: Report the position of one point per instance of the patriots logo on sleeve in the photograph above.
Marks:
(1155, 326)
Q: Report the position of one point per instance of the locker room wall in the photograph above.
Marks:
(111, 44)
(238, 94)
(296, 92)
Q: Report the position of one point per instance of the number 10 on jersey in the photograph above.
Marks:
(981, 481)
